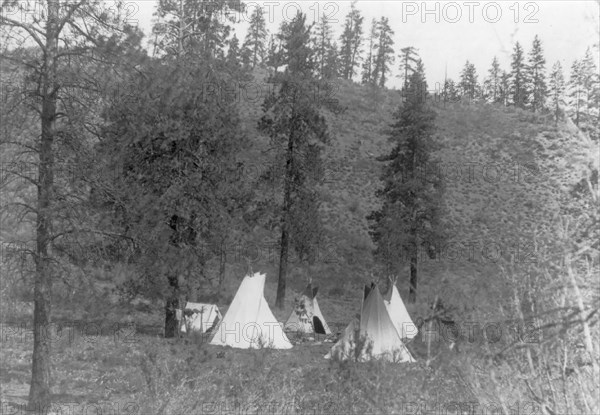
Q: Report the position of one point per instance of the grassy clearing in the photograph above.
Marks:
(184, 376)
(109, 363)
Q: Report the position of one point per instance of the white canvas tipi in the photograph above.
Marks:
(249, 322)
(376, 332)
(397, 311)
(306, 317)
(199, 317)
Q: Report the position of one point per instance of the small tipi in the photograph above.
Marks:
(397, 311)
(306, 317)
(375, 330)
(199, 317)
(249, 322)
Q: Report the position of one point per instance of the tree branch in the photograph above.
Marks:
(66, 18)
(28, 28)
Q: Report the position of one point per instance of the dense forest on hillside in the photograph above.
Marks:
(136, 179)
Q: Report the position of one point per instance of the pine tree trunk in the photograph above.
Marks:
(222, 263)
(577, 109)
(39, 392)
(287, 201)
(406, 73)
(171, 306)
(283, 260)
(352, 62)
(412, 294)
(322, 57)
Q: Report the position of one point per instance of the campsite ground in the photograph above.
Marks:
(111, 364)
(110, 354)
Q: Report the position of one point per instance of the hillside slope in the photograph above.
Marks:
(505, 170)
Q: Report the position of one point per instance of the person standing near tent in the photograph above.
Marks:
(306, 317)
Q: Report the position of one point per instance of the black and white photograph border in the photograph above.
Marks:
(180, 180)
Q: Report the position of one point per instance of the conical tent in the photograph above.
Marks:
(249, 322)
(345, 347)
(398, 313)
(377, 335)
(306, 317)
(377, 326)
(199, 317)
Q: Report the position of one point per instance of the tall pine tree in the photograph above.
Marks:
(409, 219)
(274, 54)
(350, 42)
(408, 61)
(295, 126)
(492, 83)
(536, 76)
(176, 147)
(468, 81)
(450, 92)
(322, 44)
(577, 91)
(368, 64)
(254, 44)
(64, 52)
(518, 81)
(331, 65)
(186, 27)
(384, 52)
(557, 89)
(504, 88)
(591, 85)
(233, 53)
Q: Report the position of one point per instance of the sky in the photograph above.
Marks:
(447, 33)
